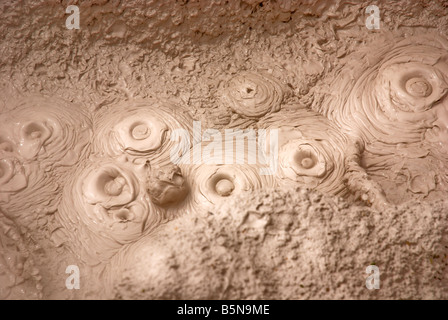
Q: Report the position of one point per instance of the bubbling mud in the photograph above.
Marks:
(167, 186)
(107, 206)
(40, 140)
(398, 107)
(398, 98)
(311, 151)
(253, 95)
(212, 183)
(94, 184)
(314, 154)
(140, 130)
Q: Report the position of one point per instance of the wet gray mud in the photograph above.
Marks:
(223, 150)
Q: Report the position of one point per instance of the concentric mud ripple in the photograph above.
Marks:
(105, 206)
(311, 151)
(50, 131)
(253, 95)
(140, 130)
(399, 107)
(315, 154)
(397, 98)
(12, 175)
(41, 139)
(212, 182)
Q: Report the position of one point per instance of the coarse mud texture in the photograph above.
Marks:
(291, 245)
(115, 157)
